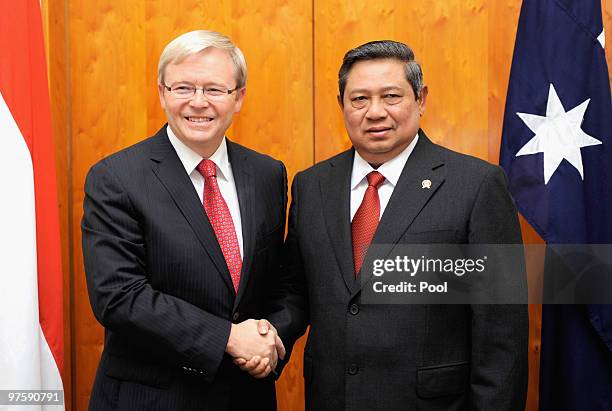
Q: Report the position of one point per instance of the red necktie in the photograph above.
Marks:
(366, 219)
(221, 220)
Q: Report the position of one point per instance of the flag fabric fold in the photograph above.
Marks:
(31, 323)
(556, 150)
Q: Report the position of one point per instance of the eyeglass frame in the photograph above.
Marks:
(227, 92)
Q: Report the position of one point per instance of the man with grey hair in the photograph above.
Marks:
(396, 187)
(181, 242)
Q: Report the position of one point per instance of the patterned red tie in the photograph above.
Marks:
(366, 219)
(221, 220)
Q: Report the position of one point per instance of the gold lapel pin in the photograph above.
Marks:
(426, 184)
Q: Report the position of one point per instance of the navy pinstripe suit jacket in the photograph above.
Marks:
(159, 284)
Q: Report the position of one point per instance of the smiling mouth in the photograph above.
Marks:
(199, 119)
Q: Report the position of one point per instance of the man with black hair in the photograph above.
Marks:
(396, 187)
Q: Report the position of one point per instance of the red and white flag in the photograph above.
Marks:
(31, 323)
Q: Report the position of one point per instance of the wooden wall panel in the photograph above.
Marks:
(503, 20)
(502, 24)
(277, 117)
(53, 16)
(107, 61)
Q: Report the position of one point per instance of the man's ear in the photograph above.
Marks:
(239, 99)
(162, 101)
(340, 102)
(422, 100)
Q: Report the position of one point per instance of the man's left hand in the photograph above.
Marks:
(256, 366)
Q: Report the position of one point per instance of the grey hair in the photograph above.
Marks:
(194, 42)
(383, 49)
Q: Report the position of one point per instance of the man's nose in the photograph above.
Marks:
(199, 99)
(376, 109)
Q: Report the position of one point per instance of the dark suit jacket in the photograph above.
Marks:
(159, 284)
(402, 357)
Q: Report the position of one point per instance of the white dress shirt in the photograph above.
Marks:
(391, 170)
(225, 177)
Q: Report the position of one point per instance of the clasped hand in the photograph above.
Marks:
(255, 346)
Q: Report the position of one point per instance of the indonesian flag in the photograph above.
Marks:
(31, 323)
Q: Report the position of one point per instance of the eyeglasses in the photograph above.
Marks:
(389, 99)
(215, 93)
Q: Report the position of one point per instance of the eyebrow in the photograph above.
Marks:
(382, 89)
(197, 84)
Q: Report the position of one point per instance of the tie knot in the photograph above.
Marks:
(375, 179)
(207, 168)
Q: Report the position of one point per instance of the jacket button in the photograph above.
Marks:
(353, 369)
(236, 316)
(354, 309)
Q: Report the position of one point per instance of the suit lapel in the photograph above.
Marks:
(408, 198)
(243, 178)
(335, 188)
(169, 170)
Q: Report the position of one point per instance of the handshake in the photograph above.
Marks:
(255, 347)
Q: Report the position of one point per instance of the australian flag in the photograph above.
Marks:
(557, 152)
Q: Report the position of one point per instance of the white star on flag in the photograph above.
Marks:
(558, 135)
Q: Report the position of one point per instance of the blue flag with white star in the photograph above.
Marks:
(556, 142)
(557, 152)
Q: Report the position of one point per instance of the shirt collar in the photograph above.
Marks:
(391, 170)
(190, 159)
